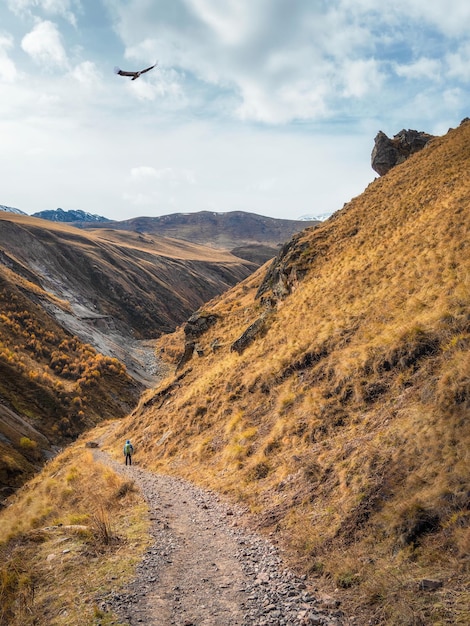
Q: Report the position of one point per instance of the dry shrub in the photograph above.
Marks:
(125, 488)
(103, 533)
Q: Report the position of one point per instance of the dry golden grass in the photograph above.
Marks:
(345, 426)
(75, 532)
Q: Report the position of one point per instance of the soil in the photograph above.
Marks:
(204, 568)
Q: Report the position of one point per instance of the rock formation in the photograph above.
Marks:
(390, 152)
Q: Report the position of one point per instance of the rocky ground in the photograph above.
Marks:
(205, 569)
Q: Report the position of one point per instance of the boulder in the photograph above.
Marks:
(198, 324)
(390, 152)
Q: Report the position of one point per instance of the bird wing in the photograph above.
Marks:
(149, 68)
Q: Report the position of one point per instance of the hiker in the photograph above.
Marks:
(128, 451)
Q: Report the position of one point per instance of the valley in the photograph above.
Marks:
(325, 395)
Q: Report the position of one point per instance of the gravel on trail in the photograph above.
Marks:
(204, 569)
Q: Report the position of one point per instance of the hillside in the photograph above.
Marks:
(79, 315)
(249, 236)
(332, 394)
(330, 397)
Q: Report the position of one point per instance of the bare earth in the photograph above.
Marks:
(205, 569)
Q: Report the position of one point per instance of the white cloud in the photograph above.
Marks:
(53, 8)
(459, 63)
(230, 22)
(143, 172)
(86, 73)
(362, 77)
(8, 72)
(44, 45)
(422, 68)
(167, 175)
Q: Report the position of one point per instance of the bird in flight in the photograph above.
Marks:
(134, 75)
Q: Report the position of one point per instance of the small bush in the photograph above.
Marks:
(28, 444)
(101, 527)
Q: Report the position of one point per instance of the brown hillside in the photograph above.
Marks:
(344, 420)
(52, 385)
(73, 307)
(148, 283)
(249, 236)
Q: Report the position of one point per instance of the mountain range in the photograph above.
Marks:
(250, 236)
(327, 391)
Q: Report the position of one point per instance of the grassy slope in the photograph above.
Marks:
(345, 425)
(54, 381)
(52, 386)
(72, 534)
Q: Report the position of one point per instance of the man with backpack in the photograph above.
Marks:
(128, 451)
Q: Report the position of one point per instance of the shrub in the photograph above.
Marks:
(28, 444)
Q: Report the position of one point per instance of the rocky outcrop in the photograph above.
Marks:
(197, 325)
(390, 152)
(256, 329)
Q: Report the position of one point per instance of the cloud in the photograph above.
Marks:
(362, 77)
(86, 73)
(422, 68)
(53, 8)
(167, 175)
(8, 72)
(44, 45)
(459, 63)
(272, 61)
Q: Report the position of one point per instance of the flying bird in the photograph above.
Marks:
(134, 75)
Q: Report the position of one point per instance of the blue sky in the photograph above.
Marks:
(267, 106)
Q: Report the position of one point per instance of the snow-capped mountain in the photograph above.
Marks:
(9, 209)
(59, 215)
(321, 218)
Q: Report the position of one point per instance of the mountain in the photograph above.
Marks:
(70, 216)
(78, 319)
(253, 237)
(327, 394)
(330, 394)
(9, 209)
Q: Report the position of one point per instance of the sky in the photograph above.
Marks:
(265, 106)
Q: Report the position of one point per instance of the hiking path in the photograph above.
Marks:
(205, 569)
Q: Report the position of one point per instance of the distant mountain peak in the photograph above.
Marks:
(71, 215)
(9, 209)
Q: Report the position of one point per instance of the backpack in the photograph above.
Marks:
(128, 449)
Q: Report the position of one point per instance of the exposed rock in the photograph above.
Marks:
(390, 152)
(429, 585)
(187, 354)
(198, 324)
(92, 444)
(254, 330)
(282, 275)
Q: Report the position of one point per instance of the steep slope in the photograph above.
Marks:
(332, 394)
(146, 284)
(249, 236)
(52, 385)
(75, 307)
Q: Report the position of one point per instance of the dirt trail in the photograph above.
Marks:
(204, 569)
